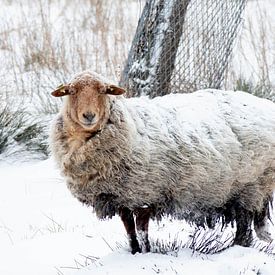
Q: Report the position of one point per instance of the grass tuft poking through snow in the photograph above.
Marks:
(210, 241)
(10, 122)
(20, 134)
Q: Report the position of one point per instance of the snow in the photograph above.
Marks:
(233, 261)
(44, 230)
(41, 226)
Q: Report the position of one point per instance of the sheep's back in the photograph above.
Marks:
(205, 146)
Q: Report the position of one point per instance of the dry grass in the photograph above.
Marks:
(44, 42)
(19, 132)
(253, 67)
(201, 241)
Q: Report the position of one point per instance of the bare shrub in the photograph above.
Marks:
(253, 67)
(49, 40)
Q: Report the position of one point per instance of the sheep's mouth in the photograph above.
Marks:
(88, 124)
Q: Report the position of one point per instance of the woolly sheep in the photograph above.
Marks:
(202, 157)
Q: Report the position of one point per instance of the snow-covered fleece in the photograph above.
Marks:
(194, 156)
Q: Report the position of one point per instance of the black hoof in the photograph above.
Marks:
(135, 247)
(147, 247)
(244, 239)
(136, 250)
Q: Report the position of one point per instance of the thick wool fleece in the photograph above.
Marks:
(189, 155)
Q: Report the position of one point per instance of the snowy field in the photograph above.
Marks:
(43, 229)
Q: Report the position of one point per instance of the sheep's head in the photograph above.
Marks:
(88, 99)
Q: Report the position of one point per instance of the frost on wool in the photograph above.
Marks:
(199, 156)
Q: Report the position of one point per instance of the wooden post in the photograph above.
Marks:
(151, 59)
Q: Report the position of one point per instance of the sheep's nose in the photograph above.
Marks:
(89, 116)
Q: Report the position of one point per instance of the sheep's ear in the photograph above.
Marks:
(61, 91)
(114, 90)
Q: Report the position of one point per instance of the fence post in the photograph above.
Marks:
(151, 59)
(181, 46)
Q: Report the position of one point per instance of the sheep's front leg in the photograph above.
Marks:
(142, 222)
(127, 218)
(244, 233)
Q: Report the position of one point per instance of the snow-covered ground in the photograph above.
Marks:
(44, 230)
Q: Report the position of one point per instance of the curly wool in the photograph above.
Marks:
(193, 156)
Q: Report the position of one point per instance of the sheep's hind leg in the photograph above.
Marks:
(127, 218)
(244, 232)
(261, 223)
(142, 222)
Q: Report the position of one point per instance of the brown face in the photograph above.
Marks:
(88, 107)
(87, 104)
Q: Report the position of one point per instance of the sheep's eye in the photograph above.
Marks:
(72, 91)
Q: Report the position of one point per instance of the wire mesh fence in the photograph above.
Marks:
(181, 46)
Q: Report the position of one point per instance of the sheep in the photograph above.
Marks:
(204, 157)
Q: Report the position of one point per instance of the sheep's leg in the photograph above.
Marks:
(142, 222)
(127, 218)
(244, 232)
(261, 223)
